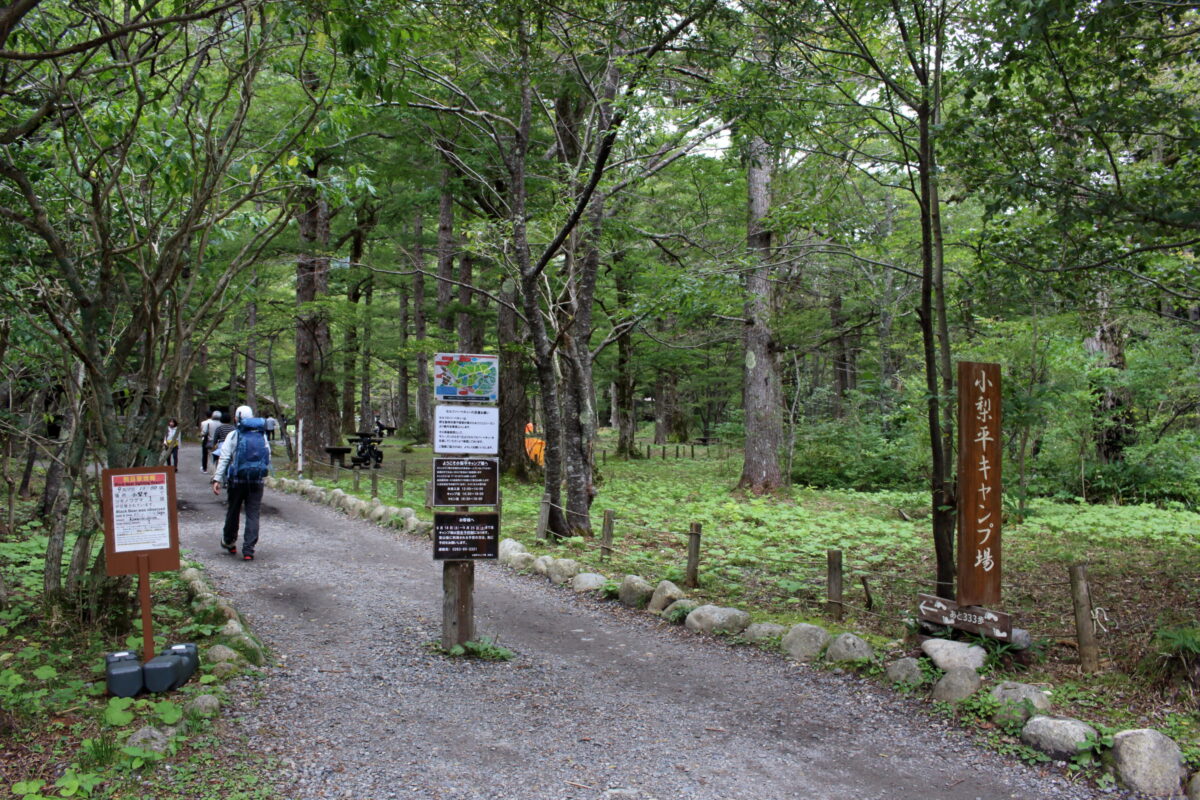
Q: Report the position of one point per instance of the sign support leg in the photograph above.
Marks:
(458, 602)
(143, 562)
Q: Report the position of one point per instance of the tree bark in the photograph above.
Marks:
(514, 407)
(350, 359)
(761, 392)
(424, 426)
(445, 252)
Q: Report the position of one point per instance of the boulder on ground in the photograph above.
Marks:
(588, 582)
(541, 565)
(1193, 787)
(762, 631)
(562, 570)
(1058, 737)
(191, 574)
(1148, 761)
(508, 549)
(635, 591)
(848, 647)
(522, 561)
(204, 705)
(947, 655)
(805, 642)
(956, 685)
(219, 653)
(717, 620)
(1018, 702)
(906, 672)
(678, 611)
(664, 594)
(149, 738)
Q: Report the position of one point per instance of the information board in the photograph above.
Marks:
(466, 481)
(466, 537)
(466, 429)
(140, 519)
(466, 377)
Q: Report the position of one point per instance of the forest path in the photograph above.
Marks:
(600, 702)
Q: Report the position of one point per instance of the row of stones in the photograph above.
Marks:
(1145, 760)
(226, 659)
(405, 519)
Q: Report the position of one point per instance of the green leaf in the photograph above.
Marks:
(168, 711)
(117, 713)
(45, 672)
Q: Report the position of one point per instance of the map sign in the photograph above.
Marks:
(466, 377)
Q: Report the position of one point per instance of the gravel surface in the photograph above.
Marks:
(599, 702)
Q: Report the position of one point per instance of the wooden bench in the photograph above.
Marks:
(337, 455)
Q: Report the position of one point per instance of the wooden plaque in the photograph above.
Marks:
(979, 451)
(140, 519)
(974, 619)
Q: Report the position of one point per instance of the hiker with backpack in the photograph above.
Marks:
(243, 466)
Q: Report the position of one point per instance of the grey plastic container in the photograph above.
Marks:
(162, 673)
(191, 661)
(123, 673)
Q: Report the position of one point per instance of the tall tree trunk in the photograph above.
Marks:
(470, 329)
(316, 394)
(251, 378)
(402, 407)
(350, 359)
(424, 427)
(1114, 427)
(445, 252)
(761, 393)
(365, 402)
(625, 382)
(514, 407)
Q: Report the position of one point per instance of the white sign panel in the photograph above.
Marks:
(141, 517)
(467, 429)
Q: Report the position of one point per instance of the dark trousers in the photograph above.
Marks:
(249, 496)
(204, 455)
(173, 457)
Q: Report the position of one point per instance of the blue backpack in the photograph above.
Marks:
(252, 458)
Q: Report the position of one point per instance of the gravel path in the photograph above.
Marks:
(599, 703)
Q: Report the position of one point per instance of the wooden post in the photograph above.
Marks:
(834, 582)
(337, 473)
(676, 452)
(606, 534)
(401, 479)
(429, 495)
(1089, 652)
(664, 453)
(867, 592)
(693, 446)
(543, 521)
(458, 602)
(692, 580)
(374, 483)
(603, 456)
(357, 472)
(143, 562)
(647, 452)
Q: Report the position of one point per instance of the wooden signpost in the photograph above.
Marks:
(979, 510)
(141, 531)
(464, 431)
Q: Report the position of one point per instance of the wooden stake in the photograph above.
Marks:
(692, 579)
(606, 535)
(1089, 651)
(374, 483)
(543, 521)
(833, 579)
(143, 562)
(458, 602)
(401, 479)
(357, 473)
(867, 590)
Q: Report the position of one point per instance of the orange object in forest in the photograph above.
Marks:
(536, 450)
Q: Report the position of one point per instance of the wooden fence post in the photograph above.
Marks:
(374, 483)
(647, 452)
(676, 452)
(693, 446)
(401, 479)
(693, 563)
(1089, 652)
(606, 535)
(357, 474)
(337, 474)
(833, 580)
(543, 522)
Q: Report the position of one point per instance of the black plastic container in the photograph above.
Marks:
(123, 673)
(163, 673)
(191, 661)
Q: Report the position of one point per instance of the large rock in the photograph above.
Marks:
(1018, 702)
(1193, 787)
(522, 561)
(149, 738)
(219, 653)
(1057, 737)
(678, 611)
(805, 642)
(588, 582)
(664, 594)
(508, 549)
(191, 574)
(541, 565)
(204, 705)
(764, 631)
(906, 672)
(848, 647)
(948, 655)
(956, 685)
(717, 620)
(1148, 761)
(562, 570)
(635, 591)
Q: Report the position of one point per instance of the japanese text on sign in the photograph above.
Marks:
(465, 481)
(979, 483)
(466, 536)
(140, 514)
(467, 429)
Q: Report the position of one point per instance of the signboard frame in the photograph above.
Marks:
(443, 525)
(974, 619)
(485, 433)
(126, 562)
(484, 482)
(979, 486)
(454, 396)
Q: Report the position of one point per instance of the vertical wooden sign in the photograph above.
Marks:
(978, 483)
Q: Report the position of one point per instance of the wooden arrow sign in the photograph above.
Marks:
(975, 619)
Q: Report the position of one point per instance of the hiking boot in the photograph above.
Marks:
(247, 556)
(229, 548)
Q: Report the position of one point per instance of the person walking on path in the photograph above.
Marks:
(242, 468)
(171, 444)
(207, 428)
(217, 436)
(271, 424)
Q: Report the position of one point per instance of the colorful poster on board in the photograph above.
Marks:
(140, 512)
(466, 377)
